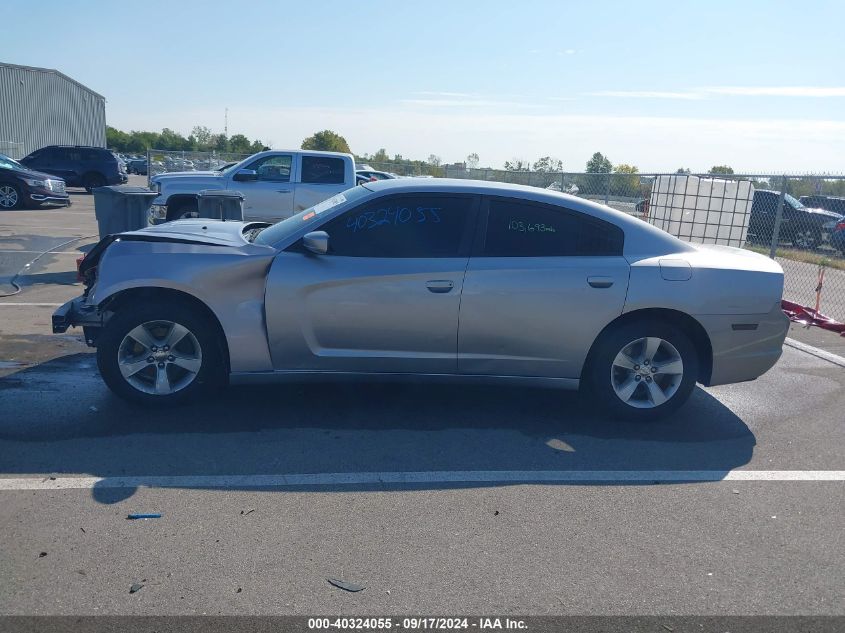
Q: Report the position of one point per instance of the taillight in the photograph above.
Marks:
(840, 226)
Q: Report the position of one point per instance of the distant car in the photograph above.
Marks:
(375, 174)
(430, 280)
(137, 166)
(803, 226)
(837, 237)
(828, 203)
(78, 165)
(21, 187)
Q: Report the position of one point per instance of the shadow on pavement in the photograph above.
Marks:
(59, 418)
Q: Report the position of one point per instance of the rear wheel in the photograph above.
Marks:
(160, 354)
(643, 370)
(806, 238)
(92, 181)
(10, 197)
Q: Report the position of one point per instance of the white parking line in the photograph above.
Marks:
(30, 305)
(433, 477)
(815, 351)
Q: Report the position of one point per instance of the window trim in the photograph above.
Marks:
(265, 158)
(480, 241)
(464, 246)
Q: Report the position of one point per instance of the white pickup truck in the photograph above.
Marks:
(276, 184)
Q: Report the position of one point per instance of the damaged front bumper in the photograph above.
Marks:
(78, 313)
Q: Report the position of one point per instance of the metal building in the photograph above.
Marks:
(41, 106)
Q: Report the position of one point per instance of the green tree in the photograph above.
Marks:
(599, 164)
(683, 170)
(434, 160)
(239, 144)
(625, 181)
(326, 141)
(473, 161)
(517, 164)
(202, 135)
(720, 169)
(595, 184)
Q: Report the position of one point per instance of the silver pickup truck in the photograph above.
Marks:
(276, 184)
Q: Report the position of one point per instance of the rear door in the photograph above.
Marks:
(386, 296)
(320, 177)
(541, 284)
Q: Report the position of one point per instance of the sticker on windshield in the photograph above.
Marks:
(325, 205)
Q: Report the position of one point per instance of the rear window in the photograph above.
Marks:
(322, 170)
(516, 228)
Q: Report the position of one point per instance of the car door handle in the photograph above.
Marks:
(600, 282)
(282, 190)
(439, 285)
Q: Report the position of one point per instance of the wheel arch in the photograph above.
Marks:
(683, 321)
(123, 298)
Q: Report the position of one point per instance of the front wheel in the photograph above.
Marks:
(642, 371)
(10, 197)
(160, 354)
(806, 238)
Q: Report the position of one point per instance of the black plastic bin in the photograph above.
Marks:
(120, 208)
(220, 204)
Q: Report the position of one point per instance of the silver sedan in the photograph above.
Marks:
(430, 280)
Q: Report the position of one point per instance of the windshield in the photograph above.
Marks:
(8, 163)
(792, 202)
(310, 216)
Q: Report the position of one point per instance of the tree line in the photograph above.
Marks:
(600, 175)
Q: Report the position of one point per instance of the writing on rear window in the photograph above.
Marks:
(521, 226)
(393, 216)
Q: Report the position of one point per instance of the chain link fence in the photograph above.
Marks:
(159, 161)
(796, 219)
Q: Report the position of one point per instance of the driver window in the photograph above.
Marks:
(273, 168)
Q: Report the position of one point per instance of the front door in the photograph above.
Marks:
(540, 286)
(385, 298)
(270, 197)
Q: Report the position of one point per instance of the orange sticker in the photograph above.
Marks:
(308, 216)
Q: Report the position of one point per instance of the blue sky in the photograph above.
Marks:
(757, 85)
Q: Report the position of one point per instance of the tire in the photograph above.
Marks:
(10, 197)
(611, 376)
(807, 238)
(192, 368)
(92, 181)
(182, 210)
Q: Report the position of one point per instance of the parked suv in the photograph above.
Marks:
(828, 203)
(21, 187)
(79, 166)
(803, 226)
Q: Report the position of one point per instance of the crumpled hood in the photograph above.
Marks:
(196, 230)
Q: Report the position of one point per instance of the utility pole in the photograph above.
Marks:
(226, 123)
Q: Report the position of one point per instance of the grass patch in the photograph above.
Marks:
(828, 259)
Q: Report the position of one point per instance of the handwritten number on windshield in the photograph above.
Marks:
(393, 216)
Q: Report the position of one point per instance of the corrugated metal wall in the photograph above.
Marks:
(41, 107)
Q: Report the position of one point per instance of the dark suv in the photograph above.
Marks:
(802, 226)
(79, 166)
(20, 187)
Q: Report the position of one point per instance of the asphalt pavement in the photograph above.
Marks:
(514, 501)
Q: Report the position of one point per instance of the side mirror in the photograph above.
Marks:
(246, 174)
(317, 242)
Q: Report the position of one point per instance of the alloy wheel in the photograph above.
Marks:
(159, 357)
(8, 197)
(647, 372)
(805, 239)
